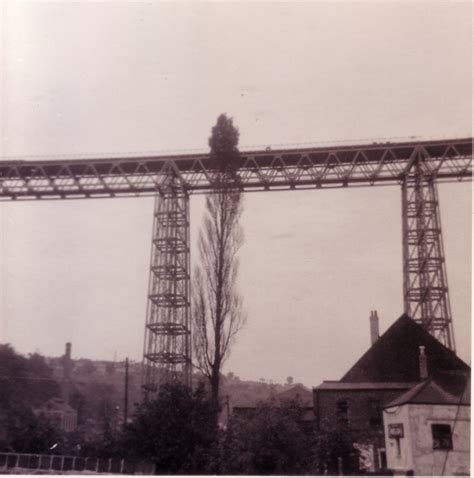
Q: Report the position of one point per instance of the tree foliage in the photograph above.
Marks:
(28, 433)
(273, 439)
(23, 380)
(334, 445)
(25, 384)
(217, 305)
(175, 431)
(224, 142)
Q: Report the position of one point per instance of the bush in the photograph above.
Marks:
(176, 431)
(274, 439)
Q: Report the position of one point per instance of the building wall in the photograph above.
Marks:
(417, 453)
(69, 421)
(399, 456)
(359, 415)
(359, 410)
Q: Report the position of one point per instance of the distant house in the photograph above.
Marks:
(298, 393)
(60, 414)
(427, 429)
(354, 405)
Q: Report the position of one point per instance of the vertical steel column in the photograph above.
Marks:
(167, 343)
(425, 285)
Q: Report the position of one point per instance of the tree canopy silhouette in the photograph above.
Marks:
(175, 431)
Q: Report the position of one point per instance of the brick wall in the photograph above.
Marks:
(364, 414)
(360, 407)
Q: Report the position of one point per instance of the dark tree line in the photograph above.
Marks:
(25, 383)
(177, 433)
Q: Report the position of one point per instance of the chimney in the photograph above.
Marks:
(423, 363)
(374, 327)
(66, 384)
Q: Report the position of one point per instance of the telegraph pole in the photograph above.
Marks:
(125, 398)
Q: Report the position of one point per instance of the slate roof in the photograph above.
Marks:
(443, 388)
(331, 385)
(394, 356)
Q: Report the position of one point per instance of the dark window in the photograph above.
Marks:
(375, 413)
(442, 439)
(342, 409)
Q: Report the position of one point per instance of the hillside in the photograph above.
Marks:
(99, 385)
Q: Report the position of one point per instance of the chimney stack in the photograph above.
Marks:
(374, 327)
(423, 363)
(65, 389)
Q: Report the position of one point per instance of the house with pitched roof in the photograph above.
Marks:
(354, 404)
(427, 428)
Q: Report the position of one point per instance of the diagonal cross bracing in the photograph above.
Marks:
(425, 284)
(258, 170)
(167, 346)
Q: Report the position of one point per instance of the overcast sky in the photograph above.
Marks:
(132, 77)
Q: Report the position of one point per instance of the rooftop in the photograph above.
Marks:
(394, 356)
(443, 388)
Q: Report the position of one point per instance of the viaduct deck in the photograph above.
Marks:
(318, 167)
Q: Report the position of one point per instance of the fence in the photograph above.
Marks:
(60, 464)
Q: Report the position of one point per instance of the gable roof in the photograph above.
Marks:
(394, 356)
(56, 404)
(443, 388)
(298, 392)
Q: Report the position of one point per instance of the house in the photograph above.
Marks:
(60, 414)
(427, 428)
(391, 366)
(298, 393)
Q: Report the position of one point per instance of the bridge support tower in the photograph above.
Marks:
(167, 343)
(425, 285)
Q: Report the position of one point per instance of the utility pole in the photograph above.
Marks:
(125, 398)
(227, 408)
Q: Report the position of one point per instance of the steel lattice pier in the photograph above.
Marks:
(425, 284)
(167, 344)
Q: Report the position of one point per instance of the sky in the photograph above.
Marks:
(124, 77)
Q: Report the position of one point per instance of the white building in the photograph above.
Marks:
(427, 429)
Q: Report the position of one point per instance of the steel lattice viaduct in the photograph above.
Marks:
(417, 166)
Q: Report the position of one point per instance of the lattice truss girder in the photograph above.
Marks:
(167, 347)
(300, 168)
(425, 286)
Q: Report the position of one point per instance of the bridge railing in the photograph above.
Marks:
(60, 464)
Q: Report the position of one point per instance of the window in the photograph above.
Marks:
(442, 438)
(342, 409)
(375, 413)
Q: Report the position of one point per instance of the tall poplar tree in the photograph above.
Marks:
(217, 305)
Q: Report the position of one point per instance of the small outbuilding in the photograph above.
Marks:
(427, 429)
